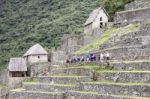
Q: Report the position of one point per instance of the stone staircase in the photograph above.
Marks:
(75, 82)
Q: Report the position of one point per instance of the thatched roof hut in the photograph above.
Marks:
(17, 64)
(36, 50)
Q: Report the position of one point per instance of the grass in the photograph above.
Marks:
(66, 76)
(2, 86)
(129, 62)
(49, 84)
(79, 67)
(130, 97)
(106, 36)
(86, 92)
(119, 84)
(23, 90)
(123, 71)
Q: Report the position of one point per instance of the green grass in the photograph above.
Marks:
(65, 76)
(112, 71)
(63, 85)
(79, 67)
(130, 97)
(3, 86)
(86, 92)
(130, 62)
(106, 36)
(114, 83)
(23, 90)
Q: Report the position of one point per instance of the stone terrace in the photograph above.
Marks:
(127, 76)
(76, 82)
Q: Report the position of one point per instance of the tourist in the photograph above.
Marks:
(101, 57)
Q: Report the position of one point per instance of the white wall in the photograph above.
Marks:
(96, 23)
(35, 59)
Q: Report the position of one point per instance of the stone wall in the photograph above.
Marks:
(14, 82)
(71, 43)
(138, 4)
(117, 89)
(3, 92)
(133, 15)
(38, 68)
(88, 38)
(86, 95)
(3, 77)
(58, 57)
(30, 95)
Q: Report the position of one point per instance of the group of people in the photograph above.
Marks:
(89, 58)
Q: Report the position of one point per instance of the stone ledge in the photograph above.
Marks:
(48, 87)
(137, 89)
(34, 95)
(63, 79)
(145, 66)
(125, 76)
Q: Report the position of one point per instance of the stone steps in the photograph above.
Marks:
(131, 65)
(22, 94)
(62, 79)
(80, 70)
(47, 87)
(106, 87)
(125, 76)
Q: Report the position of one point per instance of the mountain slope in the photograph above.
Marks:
(26, 22)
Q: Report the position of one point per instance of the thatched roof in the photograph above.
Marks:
(36, 50)
(17, 64)
(93, 15)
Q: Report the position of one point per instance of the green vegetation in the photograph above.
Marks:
(63, 85)
(26, 22)
(114, 83)
(66, 76)
(106, 36)
(86, 92)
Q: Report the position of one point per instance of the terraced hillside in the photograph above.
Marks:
(127, 76)
(26, 22)
(77, 82)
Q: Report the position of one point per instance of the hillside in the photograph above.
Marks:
(26, 22)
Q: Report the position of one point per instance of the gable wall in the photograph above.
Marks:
(96, 23)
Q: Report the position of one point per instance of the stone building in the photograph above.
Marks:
(17, 67)
(36, 54)
(71, 43)
(98, 19)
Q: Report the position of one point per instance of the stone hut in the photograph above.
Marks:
(97, 19)
(36, 54)
(17, 67)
